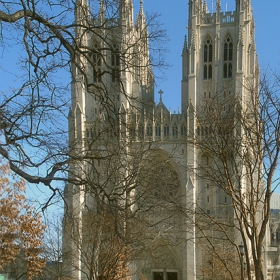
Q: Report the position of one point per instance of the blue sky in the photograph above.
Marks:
(174, 15)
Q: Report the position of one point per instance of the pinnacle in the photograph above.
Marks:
(205, 7)
(141, 7)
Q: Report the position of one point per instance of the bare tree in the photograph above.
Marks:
(237, 138)
(220, 261)
(50, 41)
(53, 247)
(95, 162)
(129, 211)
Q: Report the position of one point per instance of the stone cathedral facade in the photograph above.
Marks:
(218, 53)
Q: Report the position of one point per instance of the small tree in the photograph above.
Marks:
(104, 253)
(237, 138)
(21, 228)
(53, 247)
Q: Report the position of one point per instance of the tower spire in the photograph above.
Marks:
(205, 7)
(82, 20)
(141, 19)
(126, 12)
(241, 4)
(141, 7)
(185, 47)
(218, 6)
(82, 14)
(101, 11)
(101, 4)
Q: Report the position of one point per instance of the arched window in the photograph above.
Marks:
(149, 131)
(205, 69)
(225, 70)
(210, 71)
(175, 131)
(207, 58)
(228, 56)
(158, 130)
(115, 63)
(96, 63)
(166, 130)
(140, 131)
(161, 189)
(183, 130)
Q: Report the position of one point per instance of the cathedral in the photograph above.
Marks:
(143, 202)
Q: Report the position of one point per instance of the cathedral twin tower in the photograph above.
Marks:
(137, 157)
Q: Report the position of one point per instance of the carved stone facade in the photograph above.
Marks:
(219, 54)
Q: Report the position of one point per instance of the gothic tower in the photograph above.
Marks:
(219, 59)
(111, 76)
(220, 52)
(113, 110)
(219, 66)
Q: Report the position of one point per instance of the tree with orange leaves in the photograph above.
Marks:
(21, 228)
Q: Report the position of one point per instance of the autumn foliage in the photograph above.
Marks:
(21, 228)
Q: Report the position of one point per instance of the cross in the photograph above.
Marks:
(160, 93)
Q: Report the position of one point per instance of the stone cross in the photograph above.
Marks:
(160, 93)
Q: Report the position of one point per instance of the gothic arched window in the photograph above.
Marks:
(207, 58)
(183, 130)
(149, 131)
(166, 130)
(160, 183)
(175, 131)
(96, 63)
(140, 131)
(115, 63)
(228, 56)
(158, 130)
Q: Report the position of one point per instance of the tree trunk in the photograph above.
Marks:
(259, 269)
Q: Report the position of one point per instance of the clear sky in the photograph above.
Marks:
(174, 15)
